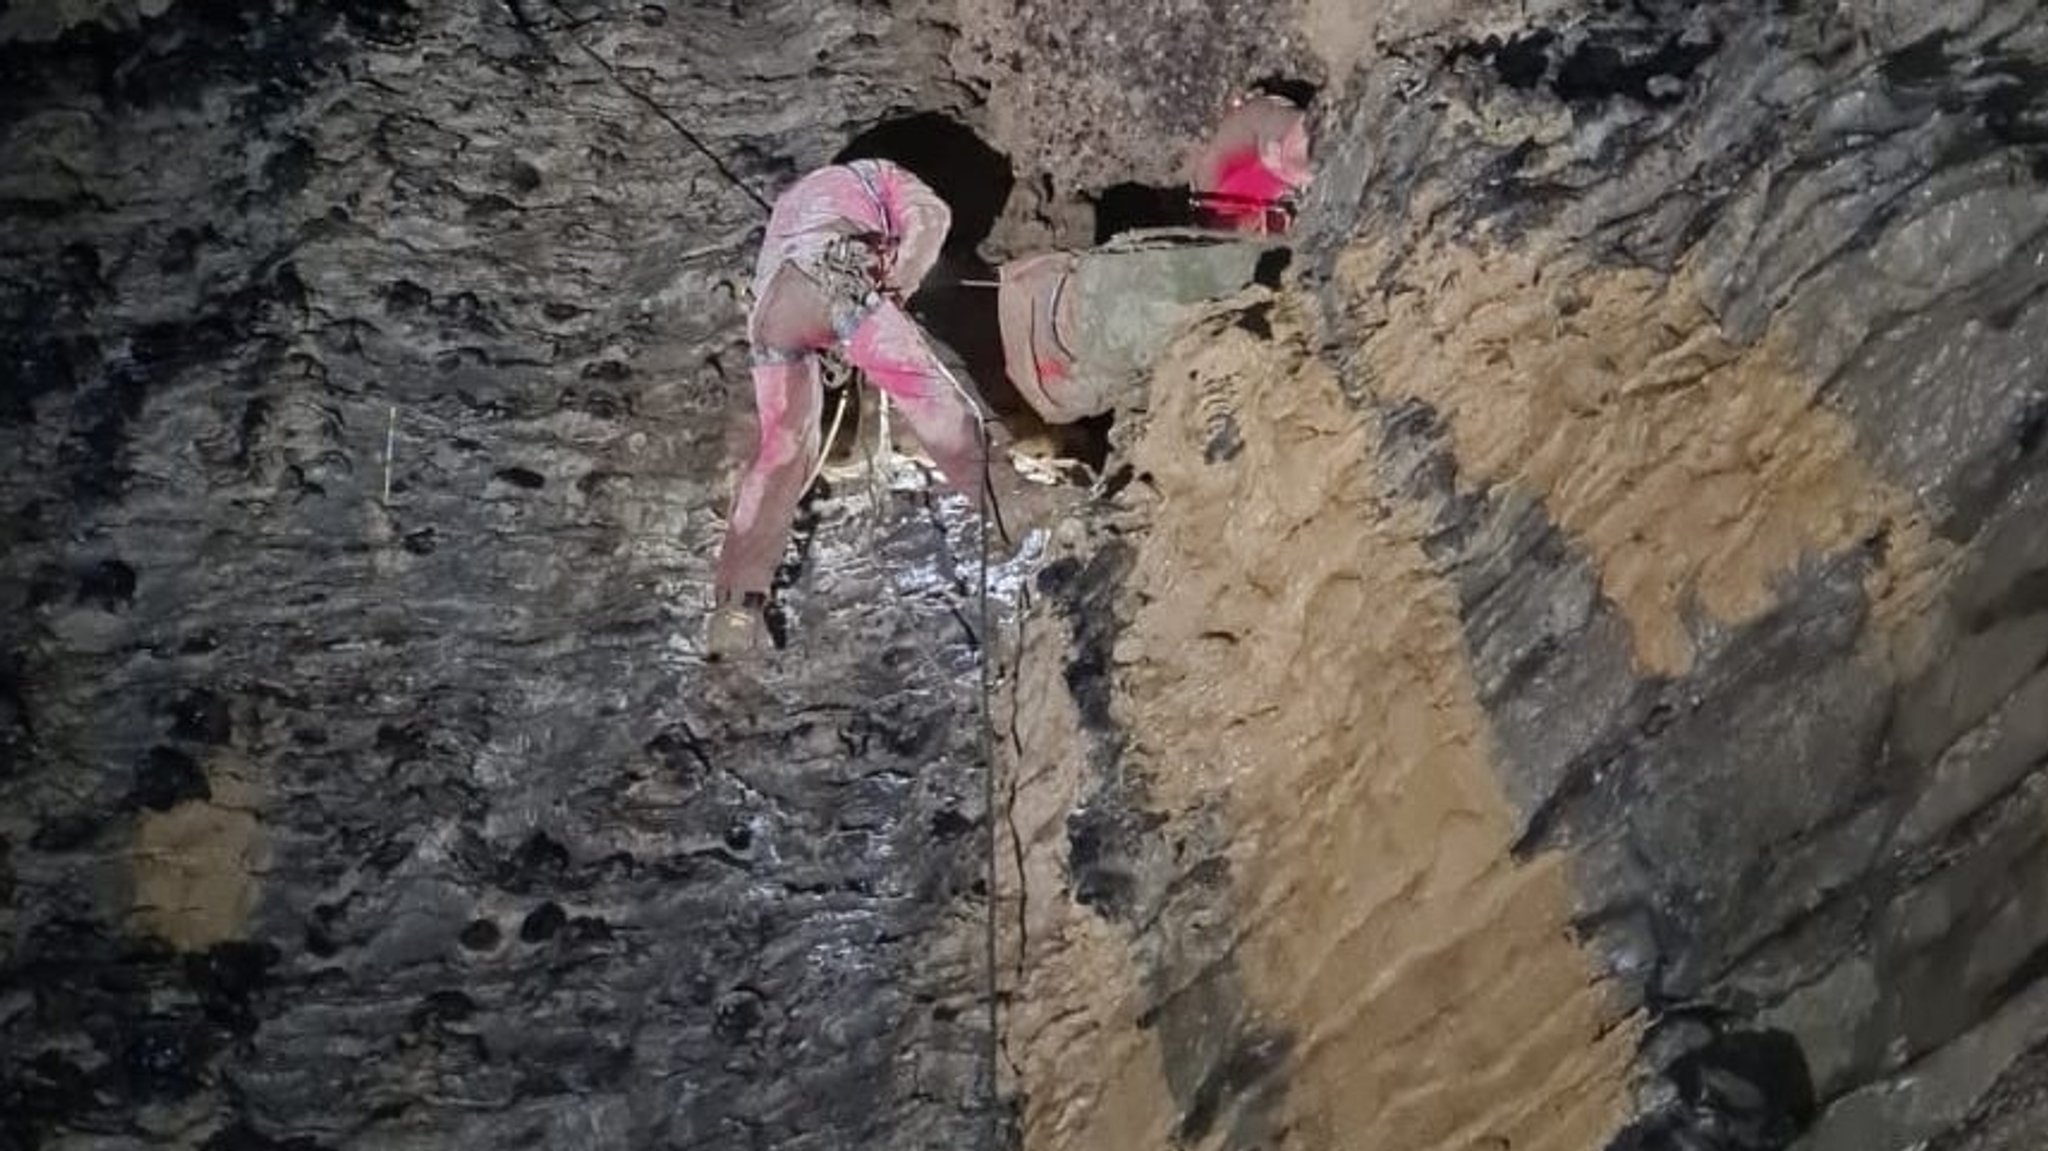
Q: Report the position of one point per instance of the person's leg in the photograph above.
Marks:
(787, 396)
(791, 318)
(791, 310)
(1036, 361)
(900, 360)
(897, 358)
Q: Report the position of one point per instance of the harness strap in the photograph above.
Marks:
(770, 357)
(1059, 292)
(860, 168)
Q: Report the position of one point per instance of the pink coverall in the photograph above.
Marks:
(1036, 315)
(1258, 158)
(802, 307)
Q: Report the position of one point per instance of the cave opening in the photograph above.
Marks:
(1122, 208)
(1294, 90)
(967, 172)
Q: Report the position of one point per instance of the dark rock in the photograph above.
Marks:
(228, 977)
(167, 777)
(738, 1014)
(521, 478)
(481, 935)
(1084, 593)
(201, 716)
(541, 924)
(240, 1136)
(206, 344)
(108, 584)
(445, 1007)
(950, 825)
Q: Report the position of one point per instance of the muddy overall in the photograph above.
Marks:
(845, 246)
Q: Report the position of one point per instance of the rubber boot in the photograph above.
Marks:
(737, 630)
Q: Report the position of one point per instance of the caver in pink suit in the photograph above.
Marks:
(845, 245)
(1257, 160)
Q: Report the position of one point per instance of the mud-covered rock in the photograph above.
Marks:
(1791, 819)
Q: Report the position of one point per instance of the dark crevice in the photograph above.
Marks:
(1088, 441)
(1752, 1089)
(1598, 70)
(1293, 89)
(1122, 208)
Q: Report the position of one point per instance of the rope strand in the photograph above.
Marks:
(991, 1097)
(831, 434)
(667, 117)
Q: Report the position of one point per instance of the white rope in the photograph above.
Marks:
(825, 449)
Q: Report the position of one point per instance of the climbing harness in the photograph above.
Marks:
(1285, 207)
(846, 269)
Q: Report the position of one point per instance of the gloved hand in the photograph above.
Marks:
(738, 629)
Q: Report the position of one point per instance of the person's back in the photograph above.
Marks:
(871, 198)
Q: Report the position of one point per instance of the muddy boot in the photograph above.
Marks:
(737, 630)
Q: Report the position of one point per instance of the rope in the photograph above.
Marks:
(831, 434)
(992, 1099)
(986, 510)
(667, 117)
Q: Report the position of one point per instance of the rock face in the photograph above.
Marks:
(1736, 465)
(1564, 670)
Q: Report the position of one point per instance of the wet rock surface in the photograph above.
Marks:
(369, 371)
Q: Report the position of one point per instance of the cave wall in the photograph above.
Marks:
(354, 797)
(1564, 671)
(1270, 896)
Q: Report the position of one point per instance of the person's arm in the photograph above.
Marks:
(922, 220)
